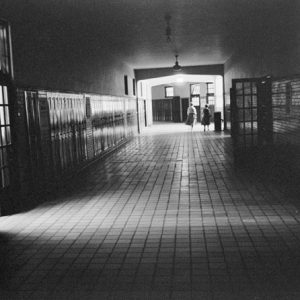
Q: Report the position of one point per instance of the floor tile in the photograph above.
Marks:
(167, 216)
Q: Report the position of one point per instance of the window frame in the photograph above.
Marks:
(191, 89)
(166, 91)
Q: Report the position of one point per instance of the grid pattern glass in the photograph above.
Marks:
(246, 106)
(210, 94)
(210, 88)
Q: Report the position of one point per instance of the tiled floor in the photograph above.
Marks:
(167, 217)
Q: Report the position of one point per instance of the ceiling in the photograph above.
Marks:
(202, 31)
(184, 78)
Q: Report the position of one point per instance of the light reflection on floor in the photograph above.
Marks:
(166, 217)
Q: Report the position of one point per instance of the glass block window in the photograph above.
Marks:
(5, 137)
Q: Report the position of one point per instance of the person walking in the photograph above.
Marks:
(191, 116)
(206, 117)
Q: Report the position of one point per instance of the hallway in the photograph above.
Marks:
(168, 216)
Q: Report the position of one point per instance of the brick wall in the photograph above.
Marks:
(286, 132)
(286, 111)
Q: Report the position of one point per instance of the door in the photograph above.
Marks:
(251, 113)
(176, 109)
(195, 99)
(184, 107)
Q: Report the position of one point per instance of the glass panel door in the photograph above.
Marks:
(251, 123)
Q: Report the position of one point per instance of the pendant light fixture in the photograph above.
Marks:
(171, 41)
(177, 66)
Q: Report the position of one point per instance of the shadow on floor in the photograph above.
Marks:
(276, 165)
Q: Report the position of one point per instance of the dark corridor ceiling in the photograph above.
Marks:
(202, 31)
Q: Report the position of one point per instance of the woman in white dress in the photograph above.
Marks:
(191, 116)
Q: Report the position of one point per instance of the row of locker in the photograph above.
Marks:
(64, 130)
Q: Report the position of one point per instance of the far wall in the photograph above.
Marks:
(180, 89)
(183, 91)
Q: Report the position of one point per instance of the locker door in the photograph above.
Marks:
(36, 157)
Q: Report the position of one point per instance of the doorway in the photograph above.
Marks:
(184, 107)
(161, 105)
(145, 113)
(195, 99)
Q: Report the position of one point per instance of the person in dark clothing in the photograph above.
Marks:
(206, 117)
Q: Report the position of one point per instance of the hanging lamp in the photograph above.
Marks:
(176, 67)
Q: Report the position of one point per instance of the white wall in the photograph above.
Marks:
(144, 92)
(183, 91)
(180, 89)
